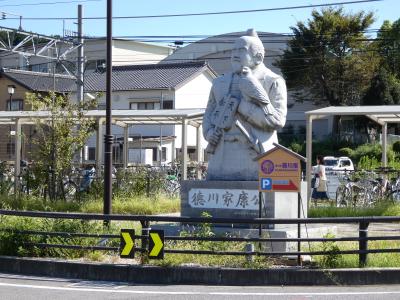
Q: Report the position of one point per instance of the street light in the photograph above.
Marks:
(11, 91)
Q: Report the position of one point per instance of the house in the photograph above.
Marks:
(22, 82)
(135, 87)
(154, 87)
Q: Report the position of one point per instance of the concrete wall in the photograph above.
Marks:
(128, 52)
(194, 94)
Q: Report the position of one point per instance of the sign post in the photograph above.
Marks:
(279, 170)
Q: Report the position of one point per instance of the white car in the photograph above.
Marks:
(342, 163)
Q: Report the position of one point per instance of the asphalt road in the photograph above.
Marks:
(28, 287)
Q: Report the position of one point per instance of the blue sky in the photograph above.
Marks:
(272, 21)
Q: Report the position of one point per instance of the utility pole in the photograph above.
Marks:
(80, 67)
(161, 132)
(108, 137)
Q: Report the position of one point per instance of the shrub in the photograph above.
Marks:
(331, 259)
(14, 243)
(296, 147)
(346, 151)
(368, 163)
(396, 147)
(371, 150)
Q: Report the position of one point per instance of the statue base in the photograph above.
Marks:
(237, 200)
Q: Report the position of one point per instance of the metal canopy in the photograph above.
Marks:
(381, 114)
(120, 117)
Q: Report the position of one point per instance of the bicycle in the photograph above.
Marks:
(358, 193)
(172, 185)
(6, 179)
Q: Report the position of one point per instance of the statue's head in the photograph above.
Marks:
(248, 51)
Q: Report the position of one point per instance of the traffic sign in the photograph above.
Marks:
(127, 244)
(156, 244)
(266, 183)
(279, 170)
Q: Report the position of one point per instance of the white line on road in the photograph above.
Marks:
(43, 287)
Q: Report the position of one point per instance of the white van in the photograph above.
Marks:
(342, 163)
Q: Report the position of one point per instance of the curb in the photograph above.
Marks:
(196, 275)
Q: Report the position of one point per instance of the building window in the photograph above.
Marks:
(10, 148)
(156, 154)
(17, 104)
(101, 106)
(39, 68)
(164, 153)
(97, 65)
(192, 153)
(145, 105)
(155, 150)
(92, 153)
(100, 64)
(169, 104)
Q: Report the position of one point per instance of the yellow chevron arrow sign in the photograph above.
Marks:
(156, 244)
(127, 244)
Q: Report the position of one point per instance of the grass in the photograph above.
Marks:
(136, 205)
(12, 243)
(384, 209)
(227, 261)
(120, 205)
(378, 260)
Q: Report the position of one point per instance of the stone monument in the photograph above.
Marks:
(244, 110)
(246, 107)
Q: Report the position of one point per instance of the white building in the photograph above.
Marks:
(125, 52)
(149, 87)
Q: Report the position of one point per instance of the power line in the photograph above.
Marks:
(210, 59)
(47, 3)
(204, 13)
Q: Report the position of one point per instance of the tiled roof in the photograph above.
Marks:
(137, 77)
(40, 82)
(124, 78)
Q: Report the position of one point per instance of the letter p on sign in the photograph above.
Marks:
(266, 184)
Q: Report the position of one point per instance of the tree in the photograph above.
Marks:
(58, 139)
(384, 89)
(388, 45)
(330, 60)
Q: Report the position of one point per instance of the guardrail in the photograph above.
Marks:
(146, 221)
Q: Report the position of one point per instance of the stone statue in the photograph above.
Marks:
(244, 110)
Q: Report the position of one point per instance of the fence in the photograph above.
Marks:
(147, 221)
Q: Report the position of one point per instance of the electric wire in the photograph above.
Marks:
(46, 3)
(205, 13)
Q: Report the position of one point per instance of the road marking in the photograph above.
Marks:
(43, 287)
(96, 285)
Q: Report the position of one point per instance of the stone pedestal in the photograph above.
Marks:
(237, 199)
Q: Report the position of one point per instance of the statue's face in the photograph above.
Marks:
(242, 56)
